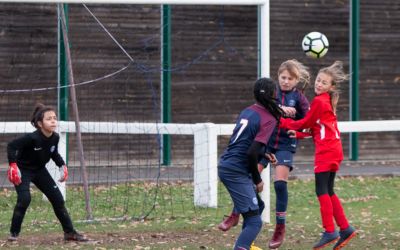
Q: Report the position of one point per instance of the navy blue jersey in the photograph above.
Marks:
(280, 139)
(254, 123)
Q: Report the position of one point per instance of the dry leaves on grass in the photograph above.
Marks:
(360, 199)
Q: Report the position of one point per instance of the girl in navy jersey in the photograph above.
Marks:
(238, 169)
(295, 105)
(322, 121)
(27, 157)
(290, 97)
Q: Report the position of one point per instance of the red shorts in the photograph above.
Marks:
(326, 166)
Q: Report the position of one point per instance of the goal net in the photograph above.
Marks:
(116, 58)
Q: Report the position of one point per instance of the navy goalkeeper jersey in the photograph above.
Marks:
(254, 123)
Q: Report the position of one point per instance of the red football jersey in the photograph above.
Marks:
(322, 122)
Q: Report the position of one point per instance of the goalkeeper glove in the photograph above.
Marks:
(63, 173)
(14, 175)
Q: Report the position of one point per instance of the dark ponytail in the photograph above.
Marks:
(264, 93)
(38, 114)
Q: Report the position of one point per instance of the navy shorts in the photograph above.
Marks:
(241, 189)
(283, 157)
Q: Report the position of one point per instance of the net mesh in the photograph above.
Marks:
(116, 59)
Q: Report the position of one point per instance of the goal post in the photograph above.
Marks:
(145, 2)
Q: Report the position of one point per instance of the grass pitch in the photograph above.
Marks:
(371, 204)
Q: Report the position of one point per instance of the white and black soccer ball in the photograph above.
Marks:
(315, 44)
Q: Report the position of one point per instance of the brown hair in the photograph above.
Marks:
(298, 70)
(38, 114)
(338, 76)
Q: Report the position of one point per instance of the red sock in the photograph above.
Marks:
(326, 208)
(338, 213)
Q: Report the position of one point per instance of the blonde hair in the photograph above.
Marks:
(338, 76)
(298, 70)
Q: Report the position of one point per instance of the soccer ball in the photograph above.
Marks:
(315, 44)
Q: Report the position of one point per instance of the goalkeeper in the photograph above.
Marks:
(27, 157)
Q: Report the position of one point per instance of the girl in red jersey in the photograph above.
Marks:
(322, 122)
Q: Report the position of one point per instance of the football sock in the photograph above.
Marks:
(338, 213)
(249, 232)
(326, 210)
(281, 201)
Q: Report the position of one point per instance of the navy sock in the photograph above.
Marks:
(249, 232)
(281, 201)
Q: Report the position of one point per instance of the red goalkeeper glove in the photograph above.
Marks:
(63, 173)
(14, 175)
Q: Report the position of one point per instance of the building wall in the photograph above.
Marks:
(214, 65)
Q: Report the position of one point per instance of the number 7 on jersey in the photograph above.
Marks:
(243, 123)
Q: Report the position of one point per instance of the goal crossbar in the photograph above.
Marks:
(156, 2)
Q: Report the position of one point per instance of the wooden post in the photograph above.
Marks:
(89, 215)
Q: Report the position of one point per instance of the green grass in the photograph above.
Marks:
(371, 204)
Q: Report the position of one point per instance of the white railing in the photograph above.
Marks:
(205, 146)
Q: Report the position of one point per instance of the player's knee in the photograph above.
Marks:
(23, 201)
(258, 222)
(58, 203)
(321, 190)
(331, 190)
(56, 200)
(252, 218)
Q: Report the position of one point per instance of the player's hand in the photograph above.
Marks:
(292, 133)
(260, 187)
(63, 173)
(289, 111)
(13, 173)
(271, 157)
(260, 167)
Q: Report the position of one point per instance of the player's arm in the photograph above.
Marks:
(56, 157)
(262, 162)
(298, 134)
(59, 161)
(265, 159)
(14, 147)
(252, 159)
(289, 111)
(307, 122)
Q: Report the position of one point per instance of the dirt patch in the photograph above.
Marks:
(176, 240)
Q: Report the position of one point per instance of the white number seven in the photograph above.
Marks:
(244, 123)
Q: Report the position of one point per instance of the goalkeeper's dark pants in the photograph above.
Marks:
(45, 183)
